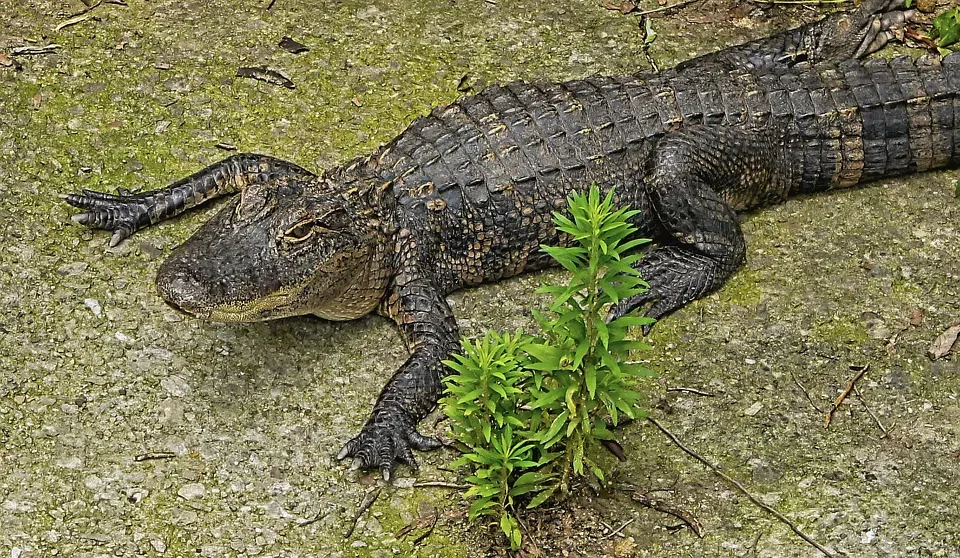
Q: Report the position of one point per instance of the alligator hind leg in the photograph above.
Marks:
(694, 181)
(835, 38)
(125, 213)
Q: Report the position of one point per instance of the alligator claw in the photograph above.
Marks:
(883, 28)
(656, 311)
(122, 213)
(386, 439)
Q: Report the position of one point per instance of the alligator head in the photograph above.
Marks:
(284, 248)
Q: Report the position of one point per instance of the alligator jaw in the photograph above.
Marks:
(266, 308)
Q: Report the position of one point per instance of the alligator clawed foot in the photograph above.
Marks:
(659, 307)
(883, 28)
(122, 213)
(386, 439)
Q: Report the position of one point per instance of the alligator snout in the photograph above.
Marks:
(179, 287)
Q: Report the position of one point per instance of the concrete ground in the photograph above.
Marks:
(127, 430)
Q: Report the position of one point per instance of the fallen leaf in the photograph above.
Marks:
(916, 317)
(427, 519)
(5, 60)
(292, 46)
(944, 342)
(37, 100)
(265, 74)
(356, 102)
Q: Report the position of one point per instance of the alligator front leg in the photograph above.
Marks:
(125, 213)
(428, 325)
(694, 180)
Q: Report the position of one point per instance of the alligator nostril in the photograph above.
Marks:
(179, 287)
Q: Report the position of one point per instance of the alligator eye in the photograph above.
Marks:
(303, 230)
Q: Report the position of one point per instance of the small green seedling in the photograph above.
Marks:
(531, 411)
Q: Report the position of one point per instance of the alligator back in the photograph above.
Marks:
(486, 171)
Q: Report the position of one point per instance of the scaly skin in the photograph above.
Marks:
(464, 196)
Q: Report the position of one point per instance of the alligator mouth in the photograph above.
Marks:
(266, 308)
(198, 313)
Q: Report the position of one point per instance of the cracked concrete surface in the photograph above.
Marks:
(126, 430)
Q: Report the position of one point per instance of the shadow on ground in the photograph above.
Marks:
(128, 431)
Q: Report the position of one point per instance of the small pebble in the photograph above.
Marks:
(193, 491)
(94, 306)
(752, 410)
(176, 386)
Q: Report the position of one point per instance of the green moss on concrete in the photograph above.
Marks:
(840, 330)
(256, 411)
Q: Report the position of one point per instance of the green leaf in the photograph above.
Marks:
(649, 35)
(483, 506)
(582, 349)
(558, 424)
(568, 397)
(596, 470)
(633, 321)
(541, 497)
(946, 27)
(548, 355)
(603, 333)
(511, 529)
(534, 477)
(590, 376)
(547, 399)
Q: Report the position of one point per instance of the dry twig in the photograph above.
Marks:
(317, 517)
(615, 532)
(665, 8)
(861, 370)
(367, 502)
(856, 390)
(691, 390)
(440, 484)
(805, 392)
(740, 487)
(150, 456)
(683, 515)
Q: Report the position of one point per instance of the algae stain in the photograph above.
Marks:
(743, 289)
(840, 330)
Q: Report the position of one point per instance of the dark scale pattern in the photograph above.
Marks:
(465, 195)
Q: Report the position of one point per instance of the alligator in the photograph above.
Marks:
(464, 196)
